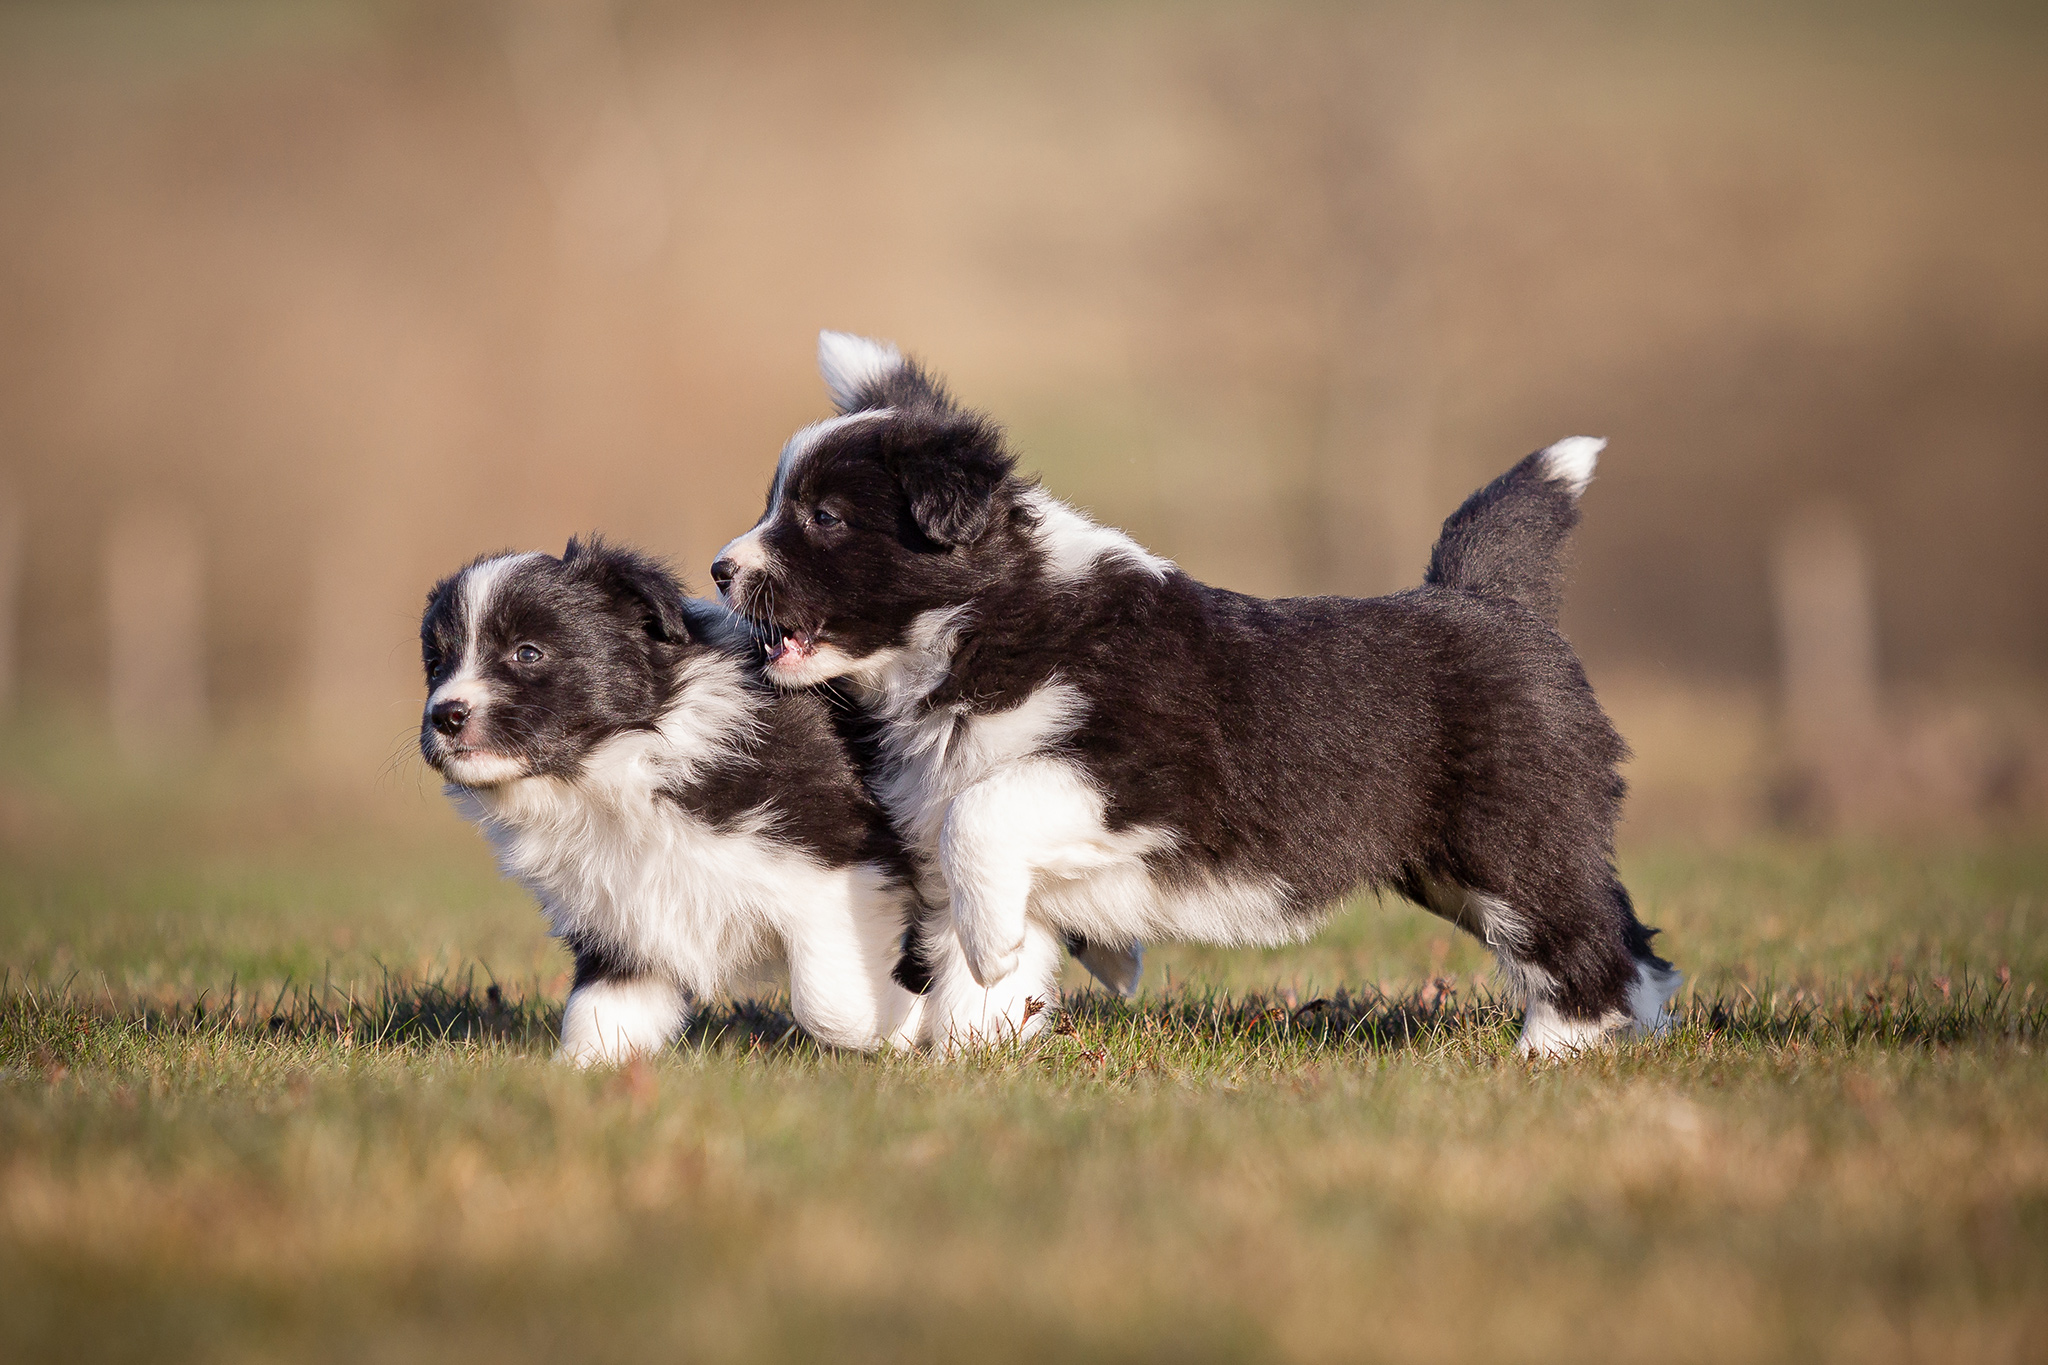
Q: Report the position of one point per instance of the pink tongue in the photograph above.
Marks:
(790, 648)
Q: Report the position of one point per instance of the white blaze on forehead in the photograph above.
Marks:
(746, 551)
(805, 441)
(478, 584)
(851, 364)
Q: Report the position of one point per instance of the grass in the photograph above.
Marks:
(274, 1085)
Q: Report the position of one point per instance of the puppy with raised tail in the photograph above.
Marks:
(678, 819)
(1078, 739)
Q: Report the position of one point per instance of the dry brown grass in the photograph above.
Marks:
(258, 1101)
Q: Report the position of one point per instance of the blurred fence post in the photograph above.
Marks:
(360, 627)
(156, 624)
(1827, 652)
(13, 561)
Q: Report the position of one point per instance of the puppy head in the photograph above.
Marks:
(902, 504)
(532, 661)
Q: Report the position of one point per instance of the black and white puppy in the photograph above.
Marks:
(678, 819)
(1076, 738)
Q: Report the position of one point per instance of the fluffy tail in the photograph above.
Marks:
(1509, 537)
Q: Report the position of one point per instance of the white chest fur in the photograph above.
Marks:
(981, 797)
(632, 870)
(613, 859)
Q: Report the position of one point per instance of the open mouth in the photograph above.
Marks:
(785, 647)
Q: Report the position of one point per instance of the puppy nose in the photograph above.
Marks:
(449, 716)
(722, 571)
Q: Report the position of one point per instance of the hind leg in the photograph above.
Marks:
(1573, 951)
(1116, 968)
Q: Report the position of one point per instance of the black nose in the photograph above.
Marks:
(722, 571)
(449, 716)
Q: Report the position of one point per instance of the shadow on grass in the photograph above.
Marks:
(403, 1012)
(1902, 1012)
(56, 1024)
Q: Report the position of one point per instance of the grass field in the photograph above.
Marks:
(274, 1085)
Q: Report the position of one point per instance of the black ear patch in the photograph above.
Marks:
(950, 471)
(631, 577)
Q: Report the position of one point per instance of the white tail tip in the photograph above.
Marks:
(1570, 461)
(850, 364)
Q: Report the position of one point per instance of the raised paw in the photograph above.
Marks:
(989, 968)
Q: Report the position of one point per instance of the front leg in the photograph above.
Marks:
(962, 1015)
(617, 1012)
(994, 833)
(843, 949)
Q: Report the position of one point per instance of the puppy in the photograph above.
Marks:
(1075, 737)
(677, 818)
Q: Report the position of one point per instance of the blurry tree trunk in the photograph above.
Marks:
(13, 547)
(1827, 650)
(1321, 115)
(156, 646)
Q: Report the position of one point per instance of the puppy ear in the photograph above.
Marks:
(856, 369)
(641, 581)
(951, 476)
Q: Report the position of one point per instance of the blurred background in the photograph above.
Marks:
(303, 303)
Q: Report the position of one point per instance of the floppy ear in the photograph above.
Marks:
(639, 580)
(951, 476)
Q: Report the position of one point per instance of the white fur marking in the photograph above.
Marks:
(1547, 1033)
(1488, 918)
(613, 860)
(1570, 461)
(805, 441)
(610, 1022)
(961, 1013)
(466, 684)
(747, 552)
(479, 581)
(476, 769)
(850, 364)
(1649, 998)
(1072, 543)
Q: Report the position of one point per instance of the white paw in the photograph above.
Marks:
(991, 968)
(988, 962)
(587, 1055)
(609, 1023)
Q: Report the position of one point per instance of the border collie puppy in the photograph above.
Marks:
(1078, 738)
(677, 818)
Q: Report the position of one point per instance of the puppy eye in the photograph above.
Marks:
(433, 670)
(528, 654)
(824, 518)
